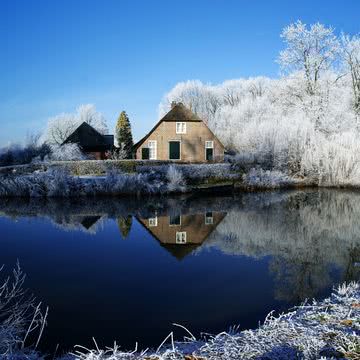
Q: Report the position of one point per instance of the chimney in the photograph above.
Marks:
(173, 104)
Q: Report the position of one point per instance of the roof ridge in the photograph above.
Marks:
(179, 112)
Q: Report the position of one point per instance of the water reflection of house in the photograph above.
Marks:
(181, 234)
(89, 221)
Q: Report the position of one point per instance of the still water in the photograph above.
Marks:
(126, 270)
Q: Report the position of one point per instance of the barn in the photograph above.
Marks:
(91, 142)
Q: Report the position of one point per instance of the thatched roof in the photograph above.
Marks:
(179, 112)
(180, 251)
(90, 139)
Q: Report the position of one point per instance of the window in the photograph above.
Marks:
(152, 149)
(153, 221)
(181, 128)
(209, 150)
(181, 237)
(174, 220)
(209, 220)
(209, 144)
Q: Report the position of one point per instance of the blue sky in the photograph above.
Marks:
(124, 55)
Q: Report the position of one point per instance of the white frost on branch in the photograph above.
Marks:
(305, 124)
(311, 50)
(66, 152)
(61, 126)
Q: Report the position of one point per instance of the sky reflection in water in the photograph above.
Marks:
(125, 270)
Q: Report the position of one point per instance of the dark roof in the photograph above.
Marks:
(178, 112)
(180, 251)
(90, 139)
(109, 139)
(88, 221)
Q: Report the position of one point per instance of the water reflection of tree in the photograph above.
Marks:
(296, 281)
(307, 235)
(124, 224)
(352, 269)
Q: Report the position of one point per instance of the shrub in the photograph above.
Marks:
(193, 171)
(176, 182)
(66, 152)
(117, 154)
(117, 183)
(96, 167)
(259, 178)
(58, 182)
(17, 154)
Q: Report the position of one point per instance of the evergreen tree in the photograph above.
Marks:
(124, 224)
(124, 135)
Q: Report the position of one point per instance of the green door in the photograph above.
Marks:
(174, 150)
(209, 154)
(145, 153)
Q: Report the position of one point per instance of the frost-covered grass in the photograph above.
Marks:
(303, 228)
(175, 178)
(328, 329)
(269, 179)
(57, 181)
(195, 172)
(101, 167)
(21, 320)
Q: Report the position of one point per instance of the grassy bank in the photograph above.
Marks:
(60, 180)
(130, 177)
(96, 167)
(327, 329)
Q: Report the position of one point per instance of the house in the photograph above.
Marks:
(180, 136)
(180, 234)
(91, 142)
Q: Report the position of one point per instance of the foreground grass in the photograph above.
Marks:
(329, 329)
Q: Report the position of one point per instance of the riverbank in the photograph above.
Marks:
(130, 177)
(298, 229)
(316, 329)
(327, 329)
(115, 178)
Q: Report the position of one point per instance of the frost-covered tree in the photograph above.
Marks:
(305, 123)
(66, 152)
(123, 135)
(351, 58)
(61, 126)
(88, 113)
(202, 99)
(311, 50)
(32, 151)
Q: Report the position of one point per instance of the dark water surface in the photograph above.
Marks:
(126, 270)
